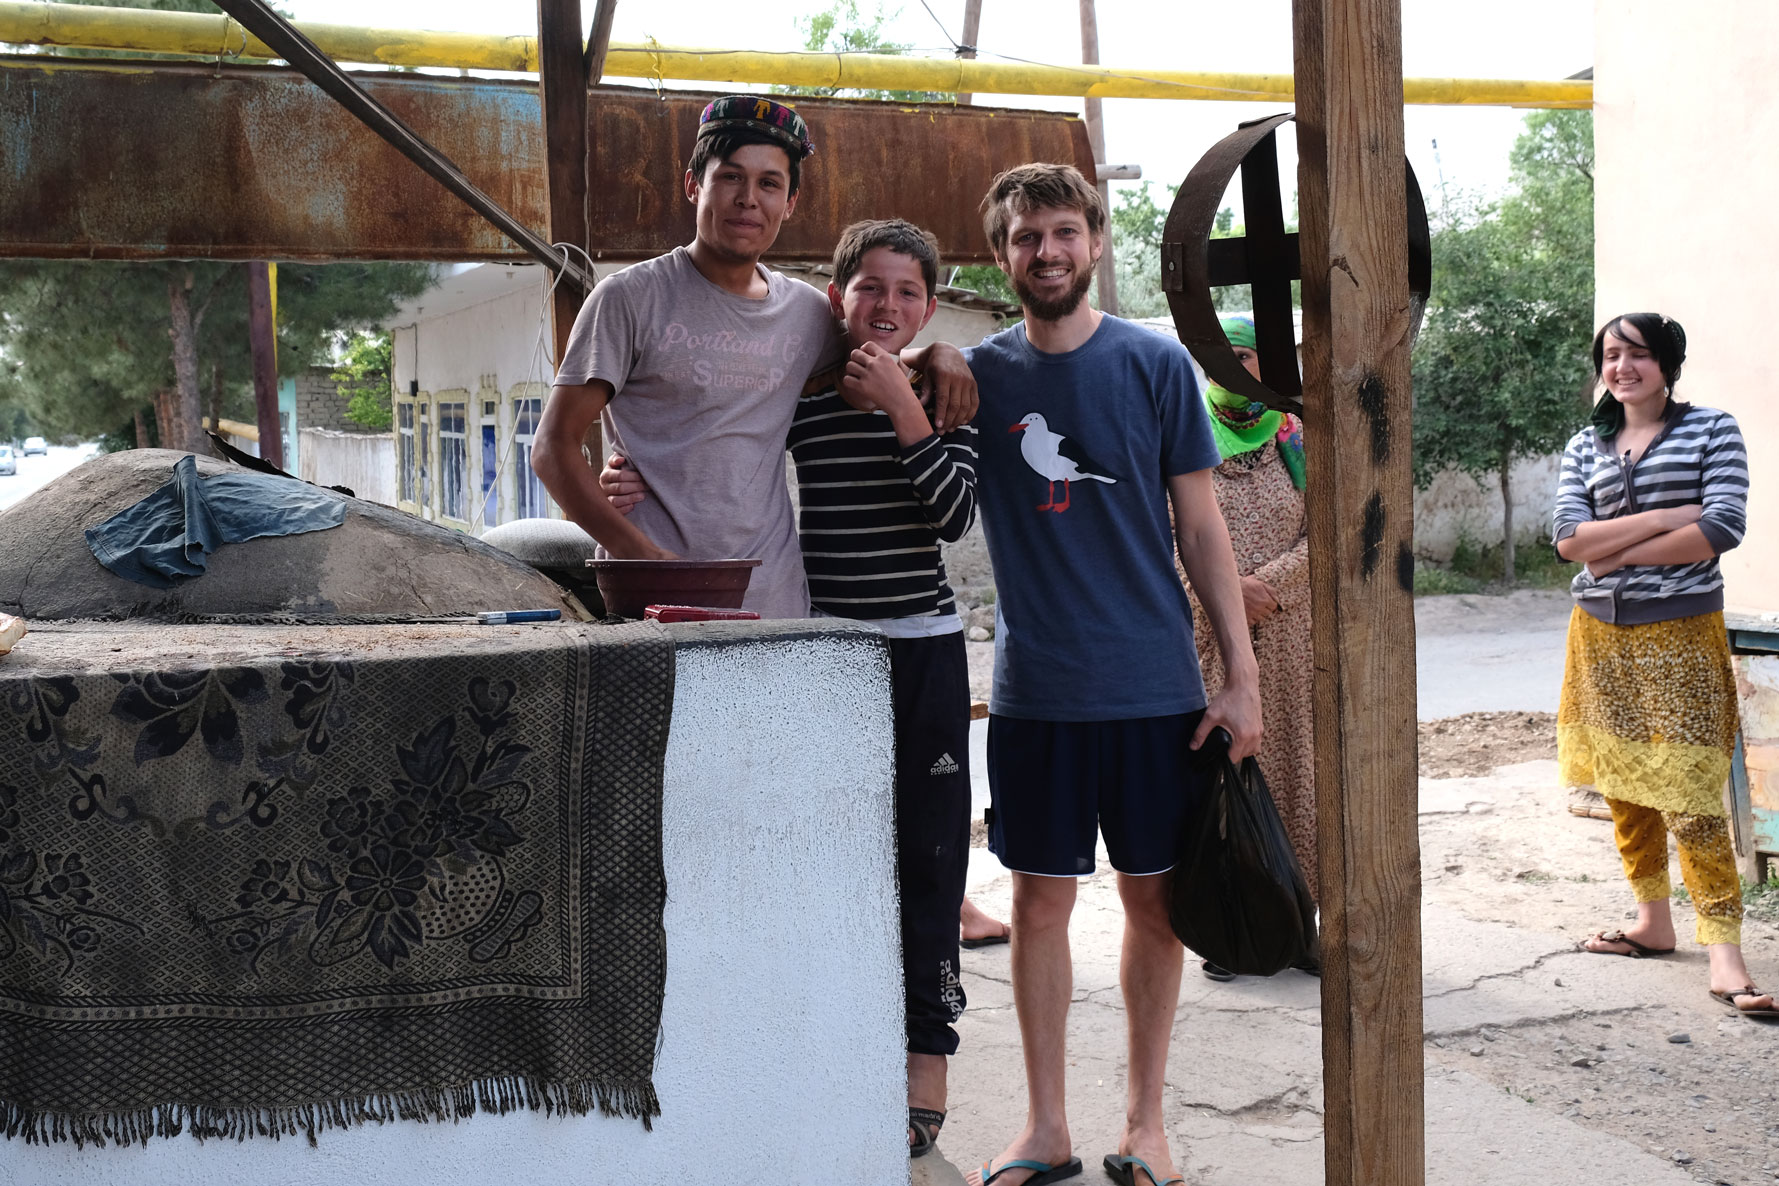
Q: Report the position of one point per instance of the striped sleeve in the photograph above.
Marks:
(943, 471)
(1724, 486)
(1573, 506)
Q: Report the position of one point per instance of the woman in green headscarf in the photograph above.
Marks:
(1259, 487)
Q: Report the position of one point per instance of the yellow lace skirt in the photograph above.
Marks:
(1648, 713)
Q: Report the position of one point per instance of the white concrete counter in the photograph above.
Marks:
(781, 1034)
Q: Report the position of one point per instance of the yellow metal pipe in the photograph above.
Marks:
(195, 34)
(234, 428)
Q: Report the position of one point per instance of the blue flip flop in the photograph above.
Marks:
(1044, 1177)
(1123, 1170)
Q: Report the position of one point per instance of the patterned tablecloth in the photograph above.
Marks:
(267, 880)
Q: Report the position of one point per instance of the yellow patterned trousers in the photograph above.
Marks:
(1707, 864)
(1648, 718)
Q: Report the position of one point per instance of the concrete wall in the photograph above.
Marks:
(365, 462)
(1456, 506)
(1687, 142)
(320, 403)
(781, 1035)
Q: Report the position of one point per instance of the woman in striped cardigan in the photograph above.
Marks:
(1650, 494)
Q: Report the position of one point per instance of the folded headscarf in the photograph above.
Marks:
(1240, 425)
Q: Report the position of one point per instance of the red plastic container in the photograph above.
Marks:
(698, 613)
(631, 586)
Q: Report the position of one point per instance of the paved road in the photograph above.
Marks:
(1473, 653)
(41, 469)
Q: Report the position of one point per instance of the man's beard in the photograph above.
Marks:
(1053, 308)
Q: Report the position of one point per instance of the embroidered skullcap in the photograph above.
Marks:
(1239, 331)
(755, 113)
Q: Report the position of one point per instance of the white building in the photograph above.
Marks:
(471, 367)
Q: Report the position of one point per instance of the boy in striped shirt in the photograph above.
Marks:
(879, 489)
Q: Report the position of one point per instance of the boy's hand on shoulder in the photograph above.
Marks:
(948, 388)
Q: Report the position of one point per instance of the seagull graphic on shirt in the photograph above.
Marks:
(1056, 458)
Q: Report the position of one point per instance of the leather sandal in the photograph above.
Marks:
(925, 1124)
(1729, 999)
(1638, 951)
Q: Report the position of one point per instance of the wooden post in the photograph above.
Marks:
(1357, 408)
(265, 363)
(599, 41)
(1096, 137)
(972, 28)
(562, 88)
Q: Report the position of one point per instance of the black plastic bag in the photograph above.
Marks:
(1239, 897)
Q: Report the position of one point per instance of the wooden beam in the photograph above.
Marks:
(599, 41)
(1107, 273)
(1357, 404)
(972, 28)
(563, 94)
(260, 337)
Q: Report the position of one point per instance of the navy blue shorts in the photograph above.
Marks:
(1054, 784)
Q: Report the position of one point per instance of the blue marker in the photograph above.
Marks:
(513, 617)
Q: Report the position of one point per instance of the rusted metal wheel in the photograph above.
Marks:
(1266, 258)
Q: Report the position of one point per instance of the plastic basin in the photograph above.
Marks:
(630, 586)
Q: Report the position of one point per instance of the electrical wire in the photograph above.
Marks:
(946, 33)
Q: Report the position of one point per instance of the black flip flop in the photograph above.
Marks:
(1006, 936)
(1044, 1177)
(1728, 1001)
(1123, 1170)
(1215, 972)
(1638, 951)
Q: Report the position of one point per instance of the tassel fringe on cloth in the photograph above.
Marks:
(494, 1096)
(264, 892)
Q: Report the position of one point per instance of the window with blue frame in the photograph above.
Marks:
(453, 462)
(405, 437)
(530, 499)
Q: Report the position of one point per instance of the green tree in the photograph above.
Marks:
(95, 346)
(1137, 223)
(1501, 369)
(843, 29)
(363, 375)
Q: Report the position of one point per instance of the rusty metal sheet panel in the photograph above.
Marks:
(930, 164)
(130, 162)
(126, 161)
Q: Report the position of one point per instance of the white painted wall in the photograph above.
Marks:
(1455, 506)
(781, 1035)
(1686, 138)
(363, 462)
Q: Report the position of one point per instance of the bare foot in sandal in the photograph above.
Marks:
(1732, 985)
(1651, 934)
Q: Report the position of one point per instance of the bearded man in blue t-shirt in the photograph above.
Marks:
(1089, 427)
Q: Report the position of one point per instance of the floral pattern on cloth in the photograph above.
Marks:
(1267, 526)
(1648, 713)
(287, 892)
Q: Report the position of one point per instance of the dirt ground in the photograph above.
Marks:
(1653, 1061)
(1627, 1049)
(1477, 742)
